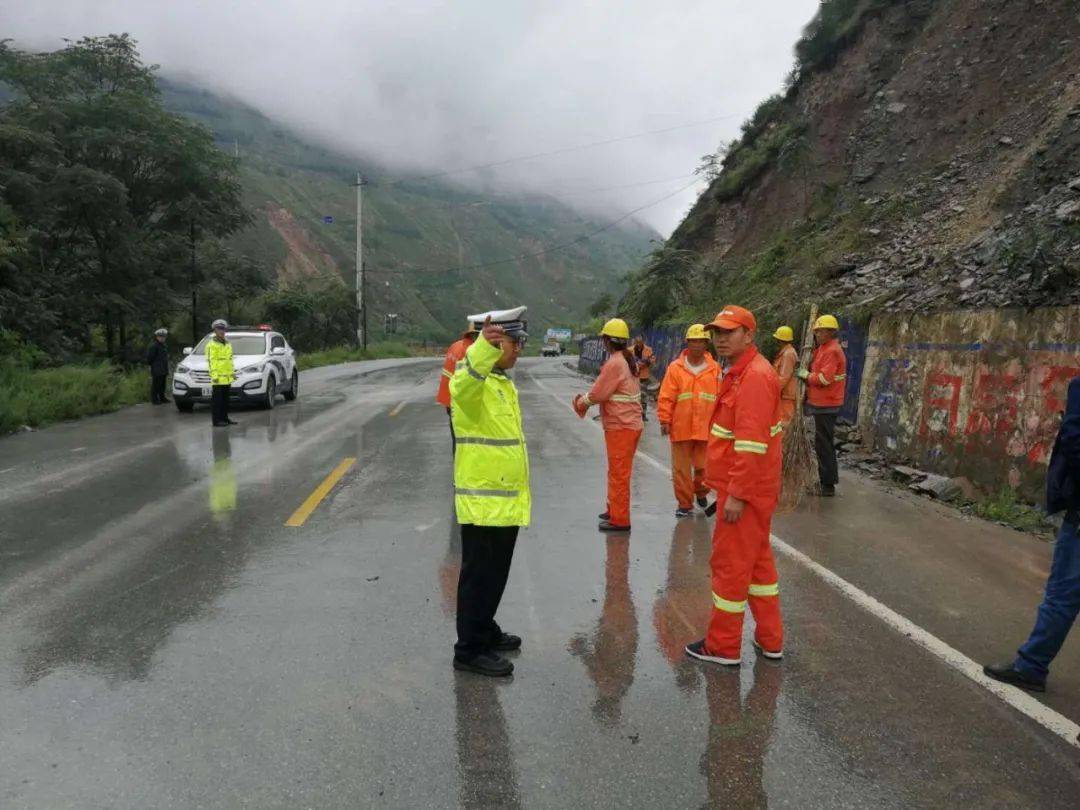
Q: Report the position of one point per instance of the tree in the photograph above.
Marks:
(111, 181)
(602, 305)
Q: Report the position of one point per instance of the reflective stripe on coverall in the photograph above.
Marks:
(491, 465)
(744, 461)
(686, 404)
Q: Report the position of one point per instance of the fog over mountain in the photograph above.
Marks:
(422, 87)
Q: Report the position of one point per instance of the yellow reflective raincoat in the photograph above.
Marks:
(219, 359)
(491, 462)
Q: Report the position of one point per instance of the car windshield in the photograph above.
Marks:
(241, 344)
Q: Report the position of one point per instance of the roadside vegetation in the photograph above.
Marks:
(351, 354)
(1006, 507)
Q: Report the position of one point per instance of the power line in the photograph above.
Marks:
(495, 199)
(554, 248)
(560, 151)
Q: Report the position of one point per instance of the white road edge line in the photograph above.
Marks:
(1021, 701)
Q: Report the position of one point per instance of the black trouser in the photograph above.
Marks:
(644, 401)
(157, 388)
(486, 552)
(824, 444)
(453, 439)
(219, 404)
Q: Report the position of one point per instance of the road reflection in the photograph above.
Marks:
(739, 733)
(222, 480)
(485, 757)
(611, 654)
(681, 611)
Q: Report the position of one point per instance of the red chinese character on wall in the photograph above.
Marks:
(941, 401)
(994, 405)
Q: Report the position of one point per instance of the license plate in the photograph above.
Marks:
(206, 391)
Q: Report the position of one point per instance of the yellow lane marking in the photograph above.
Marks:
(398, 407)
(321, 491)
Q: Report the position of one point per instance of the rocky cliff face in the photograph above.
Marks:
(933, 161)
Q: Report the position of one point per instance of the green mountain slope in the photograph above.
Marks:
(421, 239)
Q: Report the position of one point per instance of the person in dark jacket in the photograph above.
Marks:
(157, 357)
(1061, 603)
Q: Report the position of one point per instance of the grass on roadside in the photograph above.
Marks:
(38, 397)
(349, 354)
(1006, 507)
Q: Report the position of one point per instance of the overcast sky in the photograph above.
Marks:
(423, 86)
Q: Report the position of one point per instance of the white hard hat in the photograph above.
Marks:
(220, 323)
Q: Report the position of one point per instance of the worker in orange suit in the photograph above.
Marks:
(618, 394)
(645, 359)
(785, 364)
(743, 466)
(685, 408)
(826, 380)
(454, 355)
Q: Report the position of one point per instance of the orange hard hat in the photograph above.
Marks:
(732, 317)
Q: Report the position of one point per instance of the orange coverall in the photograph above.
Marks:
(744, 461)
(828, 376)
(785, 364)
(454, 354)
(618, 393)
(686, 404)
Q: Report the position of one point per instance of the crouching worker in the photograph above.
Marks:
(491, 484)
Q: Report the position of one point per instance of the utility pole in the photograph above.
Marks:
(194, 292)
(361, 311)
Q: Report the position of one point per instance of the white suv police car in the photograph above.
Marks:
(265, 367)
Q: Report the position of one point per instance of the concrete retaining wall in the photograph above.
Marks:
(975, 393)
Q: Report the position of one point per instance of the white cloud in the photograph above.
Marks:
(429, 86)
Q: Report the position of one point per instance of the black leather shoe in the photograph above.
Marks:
(702, 501)
(1007, 673)
(507, 642)
(710, 510)
(608, 526)
(604, 516)
(490, 664)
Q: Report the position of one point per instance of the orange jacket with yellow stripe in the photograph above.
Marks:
(454, 355)
(687, 400)
(744, 447)
(828, 376)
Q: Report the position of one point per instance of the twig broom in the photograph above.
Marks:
(800, 463)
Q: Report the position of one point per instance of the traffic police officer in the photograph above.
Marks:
(219, 359)
(157, 357)
(491, 487)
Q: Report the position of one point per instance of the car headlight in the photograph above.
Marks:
(256, 369)
(182, 369)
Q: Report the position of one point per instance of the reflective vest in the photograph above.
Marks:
(828, 376)
(219, 359)
(744, 456)
(491, 462)
(687, 400)
(453, 357)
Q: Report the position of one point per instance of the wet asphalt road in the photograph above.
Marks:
(166, 641)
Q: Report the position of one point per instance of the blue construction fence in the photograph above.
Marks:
(669, 341)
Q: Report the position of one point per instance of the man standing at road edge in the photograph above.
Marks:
(644, 358)
(785, 363)
(743, 466)
(219, 360)
(825, 381)
(491, 488)
(157, 357)
(1061, 601)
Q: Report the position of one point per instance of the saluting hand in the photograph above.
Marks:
(491, 333)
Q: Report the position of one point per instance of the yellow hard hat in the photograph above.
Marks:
(785, 334)
(616, 328)
(697, 332)
(826, 322)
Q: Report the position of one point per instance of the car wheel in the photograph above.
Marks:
(271, 393)
(294, 388)
(184, 407)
